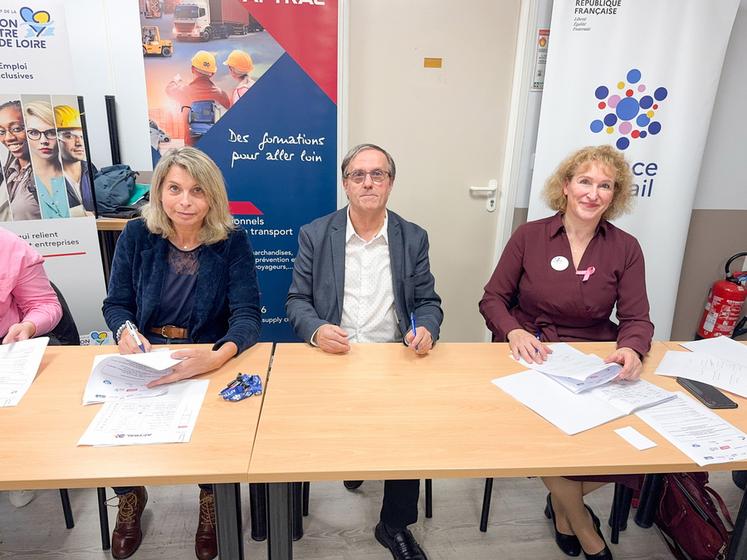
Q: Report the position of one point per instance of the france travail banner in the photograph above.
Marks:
(641, 76)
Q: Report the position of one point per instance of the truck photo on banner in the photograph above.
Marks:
(640, 76)
(254, 85)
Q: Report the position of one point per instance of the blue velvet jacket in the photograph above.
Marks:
(226, 299)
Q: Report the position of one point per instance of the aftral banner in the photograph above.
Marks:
(641, 76)
(254, 85)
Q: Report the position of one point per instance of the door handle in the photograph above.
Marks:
(491, 190)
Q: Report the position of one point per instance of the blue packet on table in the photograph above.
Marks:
(245, 385)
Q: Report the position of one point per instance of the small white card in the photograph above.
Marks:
(635, 438)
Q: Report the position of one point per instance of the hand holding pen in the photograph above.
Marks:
(419, 338)
(527, 346)
(132, 342)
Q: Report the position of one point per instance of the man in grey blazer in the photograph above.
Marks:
(362, 274)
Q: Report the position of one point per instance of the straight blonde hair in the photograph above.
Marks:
(218, 222)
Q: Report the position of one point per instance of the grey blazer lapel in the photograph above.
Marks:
(397, 262)
(337, 239)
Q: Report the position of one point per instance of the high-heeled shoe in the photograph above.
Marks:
(569, 544)
(605, 553)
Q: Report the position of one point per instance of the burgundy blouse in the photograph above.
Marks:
(526, 291)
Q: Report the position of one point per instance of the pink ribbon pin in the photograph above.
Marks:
(586, 273)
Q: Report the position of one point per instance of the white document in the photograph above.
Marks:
(574, 413)
(699, 433)
(635, 438)
(574, 369)
(116, 376)
(167, 418)
(19, 363)
(724, 374)
(722, 347)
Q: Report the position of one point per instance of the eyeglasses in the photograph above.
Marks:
(69, 135)
(49, 134)
(378, 176)
(15, 130)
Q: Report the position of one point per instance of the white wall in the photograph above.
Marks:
(723, 173)
(107, 60)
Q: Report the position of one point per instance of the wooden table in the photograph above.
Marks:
(111, 224)
(39, 444)
(380, 412)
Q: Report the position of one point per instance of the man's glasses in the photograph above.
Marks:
(69, 135)
(15, 130)
(377, 176)
(49, 134)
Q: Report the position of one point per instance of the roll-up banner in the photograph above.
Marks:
(46, 195)
(254, 85)
(641, 76)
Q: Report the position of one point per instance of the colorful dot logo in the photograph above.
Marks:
(628, 110)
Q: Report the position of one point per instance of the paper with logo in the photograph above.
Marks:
(166, 418)
(724, 374)
(721, 347)
(573, 369)
(574, 413)
(124, 376)
(699, 433)
(19, 363)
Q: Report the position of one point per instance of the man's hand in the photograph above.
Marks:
(20, 331)
(629, 360)
(127, 344)
(421, 343)
(525, 345)
(332, 339)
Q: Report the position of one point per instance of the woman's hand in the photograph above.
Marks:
(127, 344)
(630, 362)
(525, 345)
(20, 331)
(195, 361)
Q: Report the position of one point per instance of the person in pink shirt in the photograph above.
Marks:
(28, 305)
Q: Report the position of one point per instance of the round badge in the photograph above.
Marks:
(559, 263)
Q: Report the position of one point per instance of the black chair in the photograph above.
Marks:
(619, 512)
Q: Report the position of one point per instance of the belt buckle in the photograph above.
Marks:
(163, 332)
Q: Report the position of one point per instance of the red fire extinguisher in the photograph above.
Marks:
(724, 304)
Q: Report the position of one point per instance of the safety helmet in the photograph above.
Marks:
(67, 117)
(204, 62)
(240, 61)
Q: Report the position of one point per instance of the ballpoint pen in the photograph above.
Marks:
(413, 326)
(133, 333)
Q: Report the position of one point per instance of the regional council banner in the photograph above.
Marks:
(641, 76)
(254, 85)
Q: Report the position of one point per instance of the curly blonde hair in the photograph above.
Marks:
(612, 159)
(218, 223)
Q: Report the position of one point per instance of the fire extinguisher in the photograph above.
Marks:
(724, 304)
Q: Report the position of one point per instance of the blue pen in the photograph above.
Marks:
(133, 334)
(413, 326)
(538, 336)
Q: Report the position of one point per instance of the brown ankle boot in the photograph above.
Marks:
(206, 547)
(127, 534)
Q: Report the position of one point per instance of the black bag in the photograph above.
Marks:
(114, 186)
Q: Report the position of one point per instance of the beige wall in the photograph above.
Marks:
(714, 236)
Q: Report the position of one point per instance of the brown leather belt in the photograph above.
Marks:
(170, 331)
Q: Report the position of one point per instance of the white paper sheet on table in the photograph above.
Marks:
(575, 370)
(115, 376)
(166, 418)
(724, 374)
(574, 413)
(721, 346)
(699, 433)
(19, 363)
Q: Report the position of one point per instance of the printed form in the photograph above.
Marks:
(19, 363)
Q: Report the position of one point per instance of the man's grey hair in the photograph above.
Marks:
(355, 150)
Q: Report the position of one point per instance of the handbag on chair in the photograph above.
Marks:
(688, 519)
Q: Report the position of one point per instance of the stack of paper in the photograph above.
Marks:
(167, 418)
(720, 361)
(19, 363)
(575, 370)
(116, 376)
(576, 412)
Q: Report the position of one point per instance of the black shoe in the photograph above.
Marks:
(569, 544)
(352, 484)
(400, 543)
(605, 553)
